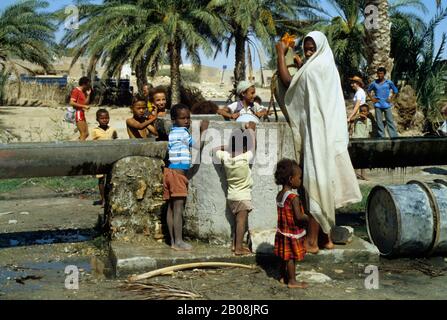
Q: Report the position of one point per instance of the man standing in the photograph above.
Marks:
(382, 102)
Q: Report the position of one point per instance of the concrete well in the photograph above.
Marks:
(207, 216)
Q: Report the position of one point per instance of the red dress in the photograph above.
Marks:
(289, 239)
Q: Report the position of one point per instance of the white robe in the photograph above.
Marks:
(317, 112)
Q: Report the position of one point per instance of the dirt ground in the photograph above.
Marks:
(40, 237)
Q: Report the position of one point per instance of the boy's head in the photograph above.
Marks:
(288, 173)
(246, 91)
(103, 117)
(85, 83)
(364, 109)
(147, 89)
(240, 141)
(139, 107)
(181, 116)
(381, 72)
(205, 107)
(258, 100)
(158, 98)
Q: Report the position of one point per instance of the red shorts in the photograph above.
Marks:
(80, 115)
(175, 184)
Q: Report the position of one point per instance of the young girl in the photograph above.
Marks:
(289, 239)
(246, 104)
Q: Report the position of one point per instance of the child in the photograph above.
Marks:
(140, 126)
(175, 181)
(362, 130)
(443, 128)
(103, 132)
(240, 182)
(359, 97)
(79, 99)
(158, 100)
(246, 104)
(289, 239)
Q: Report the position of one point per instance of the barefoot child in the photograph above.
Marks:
(103, 132)
(79, 100)
(236, 161)
(362, 130)
(289, 239)
(140, 126)
(175, 181)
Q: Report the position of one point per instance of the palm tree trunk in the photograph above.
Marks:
(175, 60)
(239, 70)
(141, 73)
(250, 63)
(378, 39)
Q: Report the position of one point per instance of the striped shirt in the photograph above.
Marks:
(180, 142)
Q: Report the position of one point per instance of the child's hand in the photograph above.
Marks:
(281, 48)
(87, 108)
(234, 116)
(251, 125)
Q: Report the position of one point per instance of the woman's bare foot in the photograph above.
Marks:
(311, 249)
(329, 245)
(282, 280)
(297, 285)
(242, 252)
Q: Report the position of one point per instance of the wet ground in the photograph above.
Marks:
(42, 236)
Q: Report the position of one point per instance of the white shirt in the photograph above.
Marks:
(360, 95)
(238, 172)
(256, 108)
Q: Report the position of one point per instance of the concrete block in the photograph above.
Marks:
(262, 241)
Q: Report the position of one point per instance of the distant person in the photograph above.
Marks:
(383, 99)
(175, 181)
(158, 100)
(80, 99)
(146, 94)
(291, 233)
(362, 129)
(443, 128)
(245, 105)
(140, 126)
(236, 159)
(103, 132)
(360, 96)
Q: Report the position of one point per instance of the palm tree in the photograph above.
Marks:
(144, 31)
(27, 34)
(253, 19)
(378, 39)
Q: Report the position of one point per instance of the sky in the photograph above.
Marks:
(221, 59)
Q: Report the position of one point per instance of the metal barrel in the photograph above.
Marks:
(408, 220)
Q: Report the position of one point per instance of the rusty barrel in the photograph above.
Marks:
(408, 220)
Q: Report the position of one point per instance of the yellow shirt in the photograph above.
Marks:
(239, 179)
(101, 134)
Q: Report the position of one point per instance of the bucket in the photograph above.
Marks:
(408, 220)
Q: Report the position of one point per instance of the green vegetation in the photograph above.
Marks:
(57, 184)
(358, 207)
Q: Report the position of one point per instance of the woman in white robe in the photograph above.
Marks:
(317, 115)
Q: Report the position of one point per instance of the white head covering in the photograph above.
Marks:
(243, 86)
(317, 114)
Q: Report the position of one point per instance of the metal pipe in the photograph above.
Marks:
(398, 152)
(28, 160)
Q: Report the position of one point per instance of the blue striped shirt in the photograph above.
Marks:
(180, 142)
